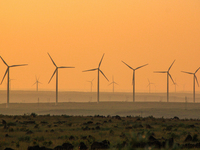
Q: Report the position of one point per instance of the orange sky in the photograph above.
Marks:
(77, 33)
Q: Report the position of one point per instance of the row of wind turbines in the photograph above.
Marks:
(99, 71)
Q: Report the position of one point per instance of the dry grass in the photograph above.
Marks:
(51, 131)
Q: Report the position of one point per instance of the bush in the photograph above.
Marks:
(175, 136)
(195, 138)
(11, 124)
(24, 139)
(39, 139)
(49, 143)
(17, 144)
(33, 115)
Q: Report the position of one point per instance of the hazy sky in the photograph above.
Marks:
(77, 33)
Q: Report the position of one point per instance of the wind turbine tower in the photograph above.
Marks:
(175, 84)
(8, 78)
(194, 78)
(98, 71)
(37, 82)
(91, 82)
(168, 75)
(134, 77)
(10, 82)
(149, 85)
(56, 72)
(113, 83)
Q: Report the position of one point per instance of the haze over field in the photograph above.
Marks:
(156, 109)
(50, 97)
(77, 33)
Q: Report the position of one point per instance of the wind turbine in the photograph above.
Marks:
(194, 78)
(168, 75)
(149, 85)
(175, 84)
(10, 82)
(99, 70)
(113, 83)
(8, 77)
(134, 77)
(37, 82)
(91, 83)
(56, 71)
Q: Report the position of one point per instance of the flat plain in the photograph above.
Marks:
(121, 124)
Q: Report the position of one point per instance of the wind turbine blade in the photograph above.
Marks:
(187, 72)
(197, 70)
(4, 75)
(171, 65)
(92, 80)
(196, 79)
(110, 83)
(116, 83)
(34, 83)
(39, 82)
(128, 65)
(148, 80)
(171, 78)
(148, 85)
(65, 67)
(140, 66)
(53, 74)
(160, 71)
(19, 65)
(4, 61)
(52, 60)
(103, 74)
(90, 70)
(101, 60)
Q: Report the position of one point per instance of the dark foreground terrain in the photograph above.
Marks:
(45, 132)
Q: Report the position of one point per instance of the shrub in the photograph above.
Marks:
(17, 144)
(33, 115)
(11, 124)
(49, 143)
(24, 138)
(195, 138)
(176, 136)
(39, 139)
(111, 132)
(11, 130)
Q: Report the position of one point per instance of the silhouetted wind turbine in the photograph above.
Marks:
(99, 70)
(37, 82)
(134, 77)
(56, 71)
(168, 75)
(10, 82)
(8, 78)
(194, 78)
(91, 83)
(149, 85)
(175, 84)
(113, 83)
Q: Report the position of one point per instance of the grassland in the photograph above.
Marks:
(149, 125)
(22, 131)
